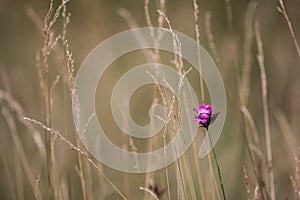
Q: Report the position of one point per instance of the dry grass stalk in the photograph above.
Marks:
(15, 106)
(247, 53)
(150, 192)
(147, 13)
(66, 129)
(296, 178)
(197, 32)
(8, 175)
(182, 74)
(155, 57)
(229, 15)
(210, 37)
(244, 90)
(282, 10)
(68, 82)
(19, 180)
(43, 70)
(89, 177)
(132, 23)
(199, 171)
(162, 8)
(19, 148)
(184, 170)
(66, 20)
(260, 60)
(33, 16)
(80, 171)
(287, 132)
(180, 175)
(52, 88)
(134, 150)
(176, 47)
(82, 153)
(254, 131)
(69, 77)
(4, 77)
(254, 150)
(247, 182)
(19, 151)
(197, 36)
(167, 110)
(257, 194)
(36, 194)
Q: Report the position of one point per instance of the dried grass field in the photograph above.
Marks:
(255, 45)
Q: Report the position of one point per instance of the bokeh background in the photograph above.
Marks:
(226, 32)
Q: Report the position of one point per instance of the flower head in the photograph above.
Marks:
(204, 115)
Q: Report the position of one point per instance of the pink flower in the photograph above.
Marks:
(205, 109)
(204, 115)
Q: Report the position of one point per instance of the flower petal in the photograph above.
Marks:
(196, 120)
(203, 116)
(203, 121)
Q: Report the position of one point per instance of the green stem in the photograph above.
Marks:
(218, 167)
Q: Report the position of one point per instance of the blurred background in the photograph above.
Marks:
(227, 32)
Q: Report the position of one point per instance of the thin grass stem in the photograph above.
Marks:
(74, 147)
(218, 167)
(260, 60)
(282, 10)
